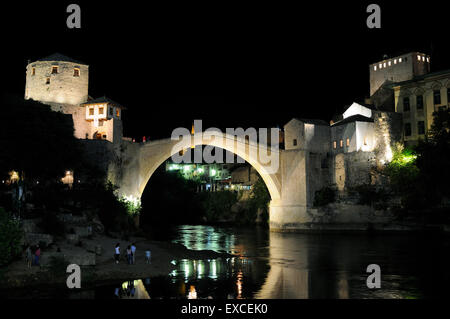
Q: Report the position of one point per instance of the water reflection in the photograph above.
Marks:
(283, 265)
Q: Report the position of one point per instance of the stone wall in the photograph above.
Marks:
(63, 87)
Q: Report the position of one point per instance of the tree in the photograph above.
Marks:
(10, 237)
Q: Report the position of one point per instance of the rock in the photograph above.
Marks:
(36, 238)
(72, 238)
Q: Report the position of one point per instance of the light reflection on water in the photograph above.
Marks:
(285, 265)
(278, 265)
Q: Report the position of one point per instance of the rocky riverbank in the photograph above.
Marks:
(100, 267)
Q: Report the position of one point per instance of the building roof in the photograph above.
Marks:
(59, 57)
(309, 121)
(103, 99)
(421, 77)
(353, 118)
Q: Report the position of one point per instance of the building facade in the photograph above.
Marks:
(62, 83)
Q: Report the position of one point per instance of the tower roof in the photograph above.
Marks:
(59, 57)
(103, 99)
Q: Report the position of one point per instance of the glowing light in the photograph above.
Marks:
(213, 172)
(374, 67)
(186, 168)
(13, 176)
(400, 60)
(192, 293)
(395, 61)
(200, 170)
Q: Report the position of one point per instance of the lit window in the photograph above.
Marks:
(76, 72)
(418, 57)
(428, 59)
(423, 58)
(341, 143)
(384, 64)
(91, 111)
(54, 69)
(380, 65)
(389, 63)
(400, 60)
(395, 61)
(33, 71)
(100, 110)
(117, 112)
(334, 144)
(374, 67)
(348, 142)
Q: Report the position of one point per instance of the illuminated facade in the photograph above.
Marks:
(62, 83)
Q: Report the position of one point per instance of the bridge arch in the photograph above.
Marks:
(155, 153)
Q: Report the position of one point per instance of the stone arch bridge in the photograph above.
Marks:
(290, 182)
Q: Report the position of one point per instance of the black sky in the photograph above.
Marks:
(227, 64)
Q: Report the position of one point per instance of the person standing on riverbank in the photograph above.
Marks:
(37, 254)
(133, 253)
(28, 256)
(117, 253)
(129, 256)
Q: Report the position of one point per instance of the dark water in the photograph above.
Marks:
(279, 265)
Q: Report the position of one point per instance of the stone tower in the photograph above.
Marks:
(57, 79)
(397, 69)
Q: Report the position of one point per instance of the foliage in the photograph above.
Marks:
(112, 211)
(10, 238)
(217, 205)
(420, 175)
(169, 198)
(36, 141)
(324, 196)
(259, 201)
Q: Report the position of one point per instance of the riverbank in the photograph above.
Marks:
(18, 275)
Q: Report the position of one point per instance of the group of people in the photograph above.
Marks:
(130, 253)
(32, 255)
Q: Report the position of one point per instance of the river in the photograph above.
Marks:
(292, 265)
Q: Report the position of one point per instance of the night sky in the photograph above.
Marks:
(230, 65)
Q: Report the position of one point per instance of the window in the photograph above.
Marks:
(365, 140)
(117, 112)
(111, 111)
(100, 123)
(421, 127)
(348, 142)
(54, 70)
(437, 96)
(101, 110)
(33, 71)
(407, 129)
(419, 102)
(341, 143)
(91, 111)
(76, 72)
(334, 144)
(406, 107)
(294, 142)
(47, 81)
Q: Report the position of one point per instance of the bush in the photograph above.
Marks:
(10, 238)
(324, 196)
